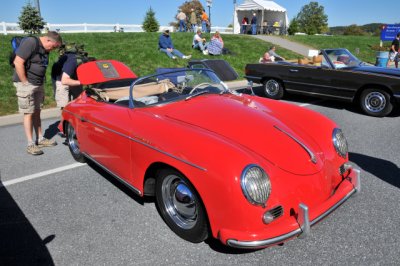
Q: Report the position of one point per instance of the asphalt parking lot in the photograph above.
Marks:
(56, 211)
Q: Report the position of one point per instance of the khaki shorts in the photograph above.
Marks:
(30, 97)
(65, 93)
(61, 94)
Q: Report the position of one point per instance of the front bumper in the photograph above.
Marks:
(303, 219)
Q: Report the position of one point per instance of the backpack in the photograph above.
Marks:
(15, 43)
(78, 50)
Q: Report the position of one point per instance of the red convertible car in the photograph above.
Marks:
(249, 171)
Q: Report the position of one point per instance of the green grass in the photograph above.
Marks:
(138, 51)
(351, 43)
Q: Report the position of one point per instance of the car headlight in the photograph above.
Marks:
(339, 142)
(256, 185)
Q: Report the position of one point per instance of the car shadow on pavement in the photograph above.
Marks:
(52, 130)
(124, 188)
(20, 244)
(383, 169)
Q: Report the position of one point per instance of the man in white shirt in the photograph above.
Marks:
(200, 43)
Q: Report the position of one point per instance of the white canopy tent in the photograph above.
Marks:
(269, 14)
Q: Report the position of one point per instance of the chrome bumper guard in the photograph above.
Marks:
(303, 220)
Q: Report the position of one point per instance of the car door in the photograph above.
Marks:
(104, 128)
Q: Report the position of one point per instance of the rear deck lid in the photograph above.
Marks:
(100, 71)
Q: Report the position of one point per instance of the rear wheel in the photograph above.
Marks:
(73, 144)
(180, 206)
(273, 89)
(376, 102)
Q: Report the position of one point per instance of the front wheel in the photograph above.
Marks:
(376, 102)
(73, 144)
(273, 89)
(180, 206)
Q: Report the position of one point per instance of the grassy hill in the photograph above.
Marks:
(138, 51)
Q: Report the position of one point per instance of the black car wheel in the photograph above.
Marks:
(273, 89)
(376, 102)
(180, 206)
(73, 144)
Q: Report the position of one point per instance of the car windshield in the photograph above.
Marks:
(172, 86)
(342, 58)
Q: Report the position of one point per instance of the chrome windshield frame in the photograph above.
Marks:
(138, 80)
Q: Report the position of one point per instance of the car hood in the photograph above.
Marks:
(252, 126)
(378, 70)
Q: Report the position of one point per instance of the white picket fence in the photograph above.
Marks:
(13, 28)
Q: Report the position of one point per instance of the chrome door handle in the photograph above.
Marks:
(293, 70)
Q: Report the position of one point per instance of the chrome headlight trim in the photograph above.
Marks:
(256, 185)
(340, 142)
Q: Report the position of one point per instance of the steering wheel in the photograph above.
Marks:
(204, 84)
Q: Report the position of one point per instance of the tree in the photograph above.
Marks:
(293, 27)
(353, 29)
(187, 9)
(150, 23)
(312, 19)
(30, 21)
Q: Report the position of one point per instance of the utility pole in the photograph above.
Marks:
(209, 4)
(38, 7)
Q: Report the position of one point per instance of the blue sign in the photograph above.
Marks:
(389, 32)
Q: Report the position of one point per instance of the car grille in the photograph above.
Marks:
(276, 212)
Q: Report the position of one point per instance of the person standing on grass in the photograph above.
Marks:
(31, 60)
(254, 24)
(193, 20)
(165, 45)
(204, 21)
(182, 21)
(394, 51)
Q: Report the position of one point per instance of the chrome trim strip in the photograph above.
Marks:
(141, 142)
(137, 191)
(310, 153)
(252, 77)
(318, 85)
(319, 94)
(276, 240)
(304, 220)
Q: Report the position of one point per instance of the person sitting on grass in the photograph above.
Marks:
(274, 54)
(165, 45)
(216, 45)
(200, 43)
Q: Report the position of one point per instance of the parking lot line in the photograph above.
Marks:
(40, 174)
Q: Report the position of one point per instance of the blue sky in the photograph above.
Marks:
(340, 12)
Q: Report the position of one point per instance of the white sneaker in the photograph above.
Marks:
(187, 56)
(174, 57)
(205, 52)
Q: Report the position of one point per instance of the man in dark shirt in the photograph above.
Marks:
(394, 51)
(30, 62)
(254, 24)
(65, 82)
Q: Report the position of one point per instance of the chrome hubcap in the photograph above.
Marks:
(179, 202)
(375, 102)
(272, 87)
(72, 139)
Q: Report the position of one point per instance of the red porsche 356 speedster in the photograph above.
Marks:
(249, 171)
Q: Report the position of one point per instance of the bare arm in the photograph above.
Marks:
(67, 80)
(20, 69)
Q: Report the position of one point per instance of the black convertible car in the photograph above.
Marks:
(334, 74)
